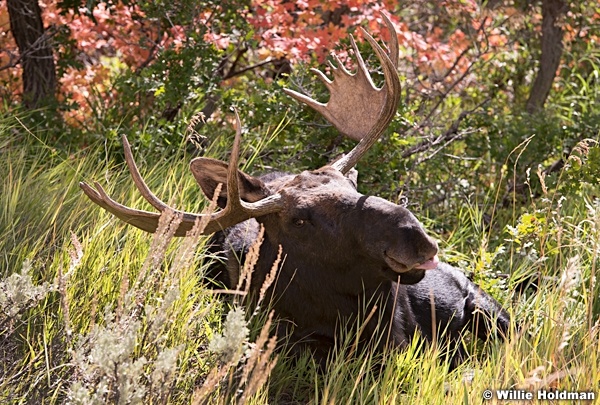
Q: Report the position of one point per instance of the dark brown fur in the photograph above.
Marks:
(335, 271)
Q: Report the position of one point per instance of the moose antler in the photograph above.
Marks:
(356, 107)
(234, 212)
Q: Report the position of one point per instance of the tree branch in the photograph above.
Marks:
(247, 68)
(450, 135)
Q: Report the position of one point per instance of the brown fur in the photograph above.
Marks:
(337, 245)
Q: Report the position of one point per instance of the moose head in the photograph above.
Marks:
(317, 216)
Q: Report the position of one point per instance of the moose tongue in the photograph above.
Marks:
(429, 264)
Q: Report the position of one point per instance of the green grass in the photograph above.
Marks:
(118, 314)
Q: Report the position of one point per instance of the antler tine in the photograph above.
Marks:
(356, 107)
(233, 191)
(144, 220)
(139, 181)
(388, 111)
(235, 211)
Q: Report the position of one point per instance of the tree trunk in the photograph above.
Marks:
(552, 48)
(39, 73)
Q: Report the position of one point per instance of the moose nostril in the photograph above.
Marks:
(430, 252)
(434, 247)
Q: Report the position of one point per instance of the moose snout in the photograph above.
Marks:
(399, 236)
(428, 258)
(415, 250)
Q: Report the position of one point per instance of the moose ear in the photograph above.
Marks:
(211, 172)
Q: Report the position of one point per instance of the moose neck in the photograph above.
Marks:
(324, 270)
(325, 288)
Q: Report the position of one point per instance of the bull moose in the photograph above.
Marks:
(348, 257)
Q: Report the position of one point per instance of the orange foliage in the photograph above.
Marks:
(119, 33)
(122, 38)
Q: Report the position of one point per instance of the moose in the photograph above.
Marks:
(347, 257)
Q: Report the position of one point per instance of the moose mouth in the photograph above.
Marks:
(401, 268)
(408, 275)
(430, 264)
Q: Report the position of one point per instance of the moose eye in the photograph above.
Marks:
(298, 223)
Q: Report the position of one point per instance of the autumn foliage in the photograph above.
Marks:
(152, 59)
(112, 37)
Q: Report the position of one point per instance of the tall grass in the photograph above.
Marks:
(94, 311)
